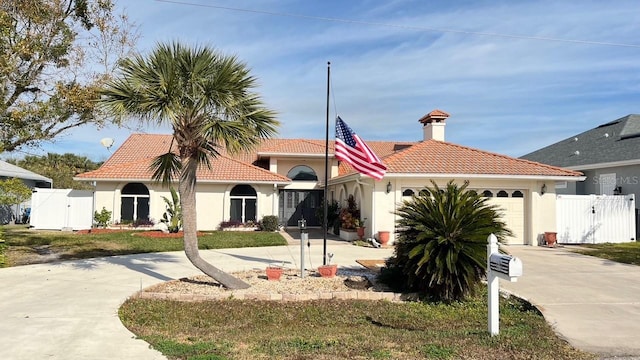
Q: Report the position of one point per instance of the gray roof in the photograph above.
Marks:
(12, 171)
(618, 140)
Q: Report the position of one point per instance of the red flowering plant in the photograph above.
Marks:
(350, 214)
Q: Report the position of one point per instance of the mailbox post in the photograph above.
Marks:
(304, 236)
(499, 266)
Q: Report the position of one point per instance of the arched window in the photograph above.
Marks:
(503, 193)
(425, 192)
(487, 193)
(302, 173)
(134, 202)
(243, 203)
(407, 192)
(517, 194)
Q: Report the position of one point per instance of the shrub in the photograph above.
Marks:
(269, 223)
(230, 224)
(102, 218)
(143, 222)
(441, 244)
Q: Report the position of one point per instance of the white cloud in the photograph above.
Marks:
(509, 95)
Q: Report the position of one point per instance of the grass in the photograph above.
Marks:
(330, 329)
(628, 253)
(23, 245)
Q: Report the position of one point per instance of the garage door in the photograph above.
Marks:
(511, 203)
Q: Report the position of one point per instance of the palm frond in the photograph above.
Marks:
(166, 167)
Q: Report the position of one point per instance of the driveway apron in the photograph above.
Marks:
(593, 303)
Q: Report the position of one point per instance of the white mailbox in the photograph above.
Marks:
(505, 266)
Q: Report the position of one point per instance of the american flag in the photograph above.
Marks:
(350, 148)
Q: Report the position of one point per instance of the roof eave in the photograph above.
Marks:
(604, 165)
(277, 182)
(489, 176)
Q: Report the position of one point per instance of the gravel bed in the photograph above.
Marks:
(290, 283)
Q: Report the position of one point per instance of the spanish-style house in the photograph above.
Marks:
(285, 177)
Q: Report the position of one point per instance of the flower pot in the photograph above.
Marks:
(328, 271)
(360, 232)
(274, 273)
(383, 237)
(550, 238)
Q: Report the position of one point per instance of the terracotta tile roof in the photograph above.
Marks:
(437, 157)
(132, 159)
(294, 146)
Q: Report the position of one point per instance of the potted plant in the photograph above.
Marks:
(274, 272)
(349, 220)
(360, 226)
(328, 270)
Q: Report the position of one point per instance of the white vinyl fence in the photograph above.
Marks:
(58, 209)
(594, 219)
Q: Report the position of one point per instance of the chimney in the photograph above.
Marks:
(433, 125)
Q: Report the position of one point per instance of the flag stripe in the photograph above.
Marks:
(351, 148)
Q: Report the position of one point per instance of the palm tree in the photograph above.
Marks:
(442, 242)
(207, 99)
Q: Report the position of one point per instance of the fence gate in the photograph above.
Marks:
(57, 209)
(594, 219)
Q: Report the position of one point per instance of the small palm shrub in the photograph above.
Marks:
(441, 243)
(173, 214)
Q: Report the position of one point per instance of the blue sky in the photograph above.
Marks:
(508, 94)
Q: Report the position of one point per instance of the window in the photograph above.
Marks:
(503, 193)
(487, 193)
(134, 202)
(302, 173)
(517, 194)
(243, 203)
(425, 192)
(407, 192)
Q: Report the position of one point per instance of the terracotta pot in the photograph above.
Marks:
(383, 237)
(550, 238)
(274, 273)
(360, 232)
(328, 270)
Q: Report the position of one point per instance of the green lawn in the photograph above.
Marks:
(23, 246)
(330, 329)
(628, 253)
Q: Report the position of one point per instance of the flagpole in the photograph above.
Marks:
(326, 174)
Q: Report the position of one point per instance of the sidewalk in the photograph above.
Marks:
(592, 302)
(69, 310)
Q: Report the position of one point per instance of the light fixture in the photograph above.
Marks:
(389, 187)
(543, 189)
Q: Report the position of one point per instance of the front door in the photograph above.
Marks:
(296, 204)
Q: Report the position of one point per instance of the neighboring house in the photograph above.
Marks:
(284, 177)
(31, 179)
(608, 155)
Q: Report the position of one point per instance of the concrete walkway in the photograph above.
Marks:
(593, 303)
(69, 310)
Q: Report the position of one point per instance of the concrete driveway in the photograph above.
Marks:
(69, 310)
(593, 303)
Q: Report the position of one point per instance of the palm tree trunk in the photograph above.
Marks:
(189, 224)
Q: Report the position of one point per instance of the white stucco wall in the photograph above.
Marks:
(212, 202)
(379, 206)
